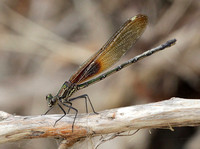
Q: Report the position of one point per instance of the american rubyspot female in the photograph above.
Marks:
(103, 59)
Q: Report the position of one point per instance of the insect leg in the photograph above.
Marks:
(70, 107)
(61, 116)
(86, 97)
(70, 104)
(48, 110)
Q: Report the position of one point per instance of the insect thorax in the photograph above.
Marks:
(66, 90)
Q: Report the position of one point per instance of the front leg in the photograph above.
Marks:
(48, 110)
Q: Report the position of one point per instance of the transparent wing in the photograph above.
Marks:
(113, 50)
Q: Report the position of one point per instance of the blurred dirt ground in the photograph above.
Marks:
(42, 42)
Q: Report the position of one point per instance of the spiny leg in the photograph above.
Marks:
(86, 97)
(67, 102)
(48, 110)
(70, 107)
(70, 104)
(61, 116)
(71, 99)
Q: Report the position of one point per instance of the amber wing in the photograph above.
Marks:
(113, 50)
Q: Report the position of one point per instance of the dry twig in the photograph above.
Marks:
(175, 112)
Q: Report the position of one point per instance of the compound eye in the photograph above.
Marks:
(49, 97)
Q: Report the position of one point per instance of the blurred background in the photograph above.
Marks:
(43, 42)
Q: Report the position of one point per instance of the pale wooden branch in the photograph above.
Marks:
(175, 112)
